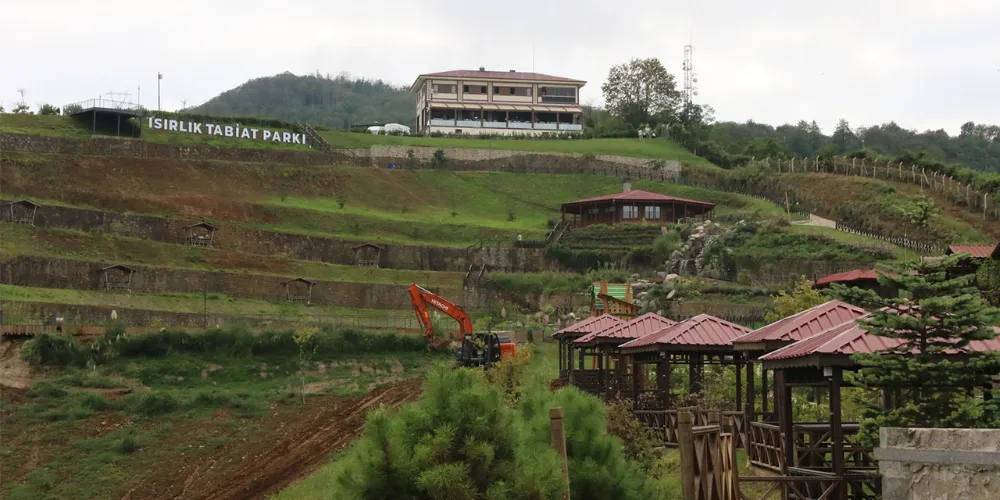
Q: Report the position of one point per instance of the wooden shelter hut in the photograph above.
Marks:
(200, 234)
(614, 299)
(298, 289)
(117, 278)
(631, 206)
(21, 212)
(567, 335)
(866, 279)
(367, 254)
(602, 348)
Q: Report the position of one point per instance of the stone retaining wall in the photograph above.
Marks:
(294, 246)
(45, 272)
(933, 464)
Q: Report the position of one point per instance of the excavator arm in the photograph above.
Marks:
(421, 297)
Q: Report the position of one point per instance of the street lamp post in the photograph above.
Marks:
(159, 76)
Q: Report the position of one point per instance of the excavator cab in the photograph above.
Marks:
(479, 349)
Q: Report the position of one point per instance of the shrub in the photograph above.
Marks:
(153, 404)
(459, 440)
(54, 350)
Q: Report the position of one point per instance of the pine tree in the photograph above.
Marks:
(934, 315)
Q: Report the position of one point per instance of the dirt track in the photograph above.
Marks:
(288, 449)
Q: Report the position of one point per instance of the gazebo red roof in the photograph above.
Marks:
(700, 330)
(857, 274)
(592, 324)
(639, 195)
(639, 327)
(804, 324)
(850, 338)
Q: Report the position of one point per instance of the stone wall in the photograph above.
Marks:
(293, 246)
(47, 272)
(933, 464)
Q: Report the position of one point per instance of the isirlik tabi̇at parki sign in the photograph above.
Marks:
(225, 130)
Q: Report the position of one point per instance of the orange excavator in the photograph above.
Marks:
(474, 349)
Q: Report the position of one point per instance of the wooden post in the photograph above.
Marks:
(837, 430)
(685, 441)
(559, 442)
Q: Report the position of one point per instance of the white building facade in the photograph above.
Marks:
(481, 102)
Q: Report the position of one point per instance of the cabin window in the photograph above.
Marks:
(652, 212)
(630, 212)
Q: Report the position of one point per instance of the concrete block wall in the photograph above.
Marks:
(939, 464)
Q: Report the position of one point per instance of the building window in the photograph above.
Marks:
(559, 94)
(441, 88)
(465, 88)
(630, 212)
(652, 212)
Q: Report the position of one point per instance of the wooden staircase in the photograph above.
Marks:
(558, 232)
(317, 141)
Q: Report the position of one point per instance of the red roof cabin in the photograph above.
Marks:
(635, 206)
(866, 279)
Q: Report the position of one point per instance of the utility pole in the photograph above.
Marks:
(159, 76)
(690, 78)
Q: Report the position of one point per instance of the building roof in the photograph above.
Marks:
(974, 251)
(482, 74)
(804, 324)
(592, 324)
(639, 196)
(856, 275)
(700, 330)
(850, 338)
(616, 290)
(639, 327)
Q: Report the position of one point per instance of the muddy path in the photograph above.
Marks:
(291, 445)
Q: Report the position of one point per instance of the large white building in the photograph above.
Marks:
(497, 102)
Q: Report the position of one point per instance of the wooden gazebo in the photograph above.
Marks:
(298, 290)
(829, 448)
(567, 335)
(697, 341)
(21, 212)
(200, 234)
(367, 254)
(117, 278)
(603, 346)
(779, 334)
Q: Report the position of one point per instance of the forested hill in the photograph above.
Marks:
(336, 102)
(975, 146)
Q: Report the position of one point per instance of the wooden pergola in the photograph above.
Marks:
(610, 370)
(567, 335)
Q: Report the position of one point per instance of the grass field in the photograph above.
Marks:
(99, 432)
(69, 244)
(63, 126)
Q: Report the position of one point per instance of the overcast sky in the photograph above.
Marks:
(922, 63)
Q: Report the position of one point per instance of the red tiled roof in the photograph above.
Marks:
(804, 324)
(702, 330)
(498, 75)
(974, 251)
(638, 327)
(592, 324)
(639, 195)
(849, 338)
(858, 274)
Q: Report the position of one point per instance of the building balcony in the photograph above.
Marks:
(555, 127)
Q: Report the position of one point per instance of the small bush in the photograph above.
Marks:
(154, 404)
(54, 350)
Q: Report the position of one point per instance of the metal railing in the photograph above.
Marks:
(101, 102)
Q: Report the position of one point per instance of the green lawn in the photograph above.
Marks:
(653, 148)
(213, 303)
(902, 254)
(78, 245)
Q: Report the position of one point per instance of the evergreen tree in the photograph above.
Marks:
(458, 441)
(935, 314)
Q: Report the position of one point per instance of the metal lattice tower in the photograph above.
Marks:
(690, 78)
